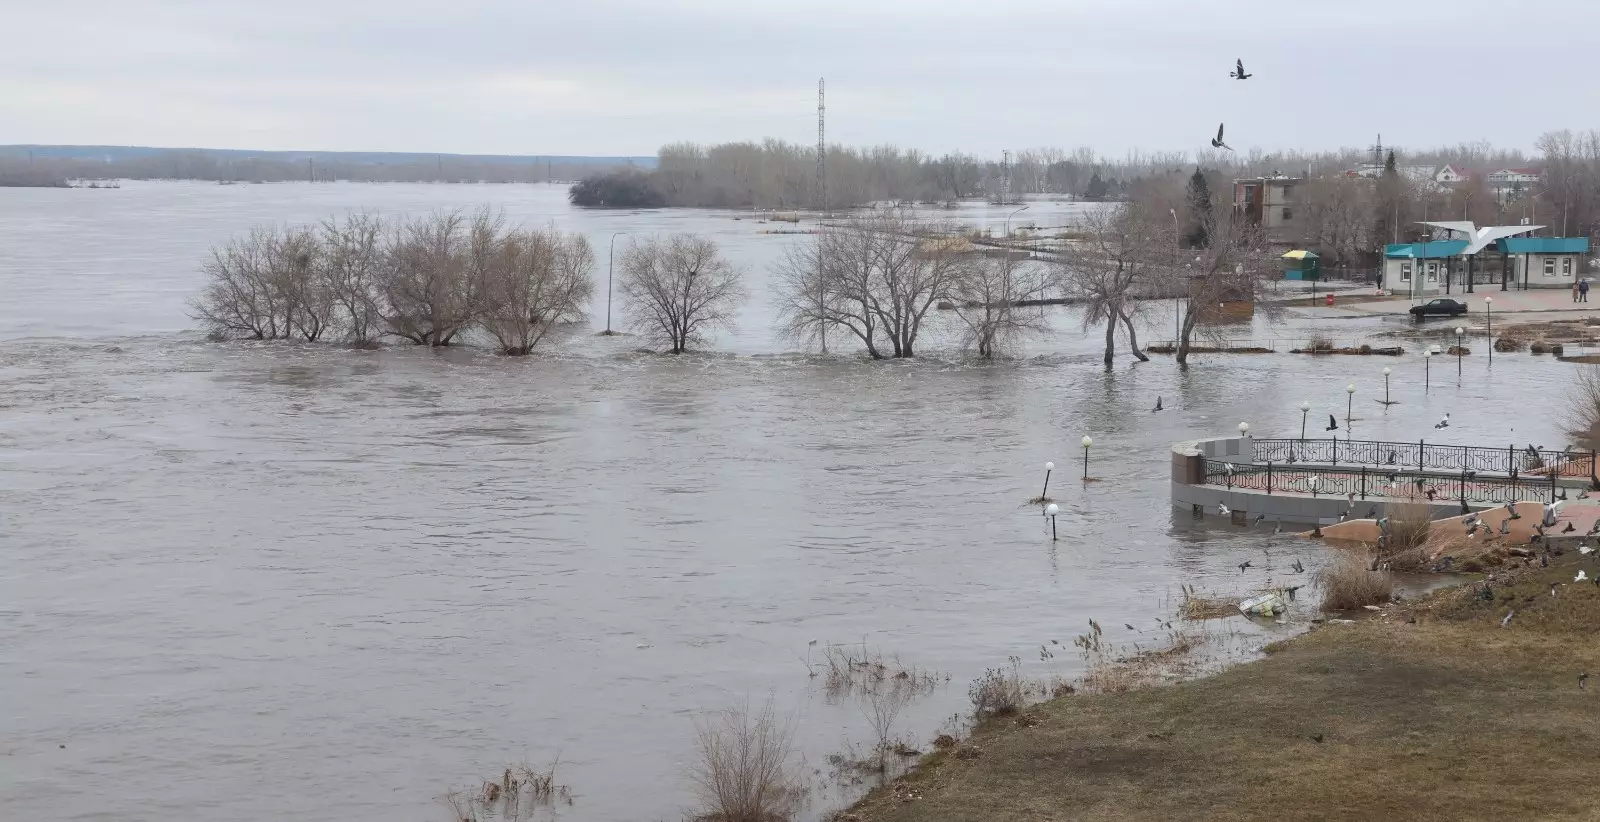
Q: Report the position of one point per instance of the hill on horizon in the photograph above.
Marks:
(111, 154)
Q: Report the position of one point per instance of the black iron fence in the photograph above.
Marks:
(1365, 483)
(1510, 460)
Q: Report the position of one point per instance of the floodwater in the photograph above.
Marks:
(274, 581)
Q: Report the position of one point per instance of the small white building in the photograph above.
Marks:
(1449, 174)
(1418, 269)
(1546, 262)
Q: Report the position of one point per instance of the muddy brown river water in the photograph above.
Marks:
(273, 581)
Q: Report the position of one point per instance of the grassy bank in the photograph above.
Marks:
(1430, 710)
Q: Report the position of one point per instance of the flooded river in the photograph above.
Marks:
(273, 581)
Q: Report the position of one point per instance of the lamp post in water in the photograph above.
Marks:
(1349, 406)
(611, 260)
(1050, 511)
(1048, 467)
(1427, 357)
(1488, 316)
(1087, 441)
(1459, 350)
(1386, 372)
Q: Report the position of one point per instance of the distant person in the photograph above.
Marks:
(1575, 290)
(1583, 291)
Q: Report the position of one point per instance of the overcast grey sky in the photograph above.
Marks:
(625, 76)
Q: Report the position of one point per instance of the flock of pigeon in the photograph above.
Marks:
(1238, 73)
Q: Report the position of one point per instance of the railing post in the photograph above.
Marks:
(1511, 457)
(1464, 457)
(1363, 482)
(1552, 474)
(1463, 487)
(1594, 482)
(1336, 449)
(1269, 478)
(1422, 448)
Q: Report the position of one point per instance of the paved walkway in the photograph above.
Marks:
(1505, 302)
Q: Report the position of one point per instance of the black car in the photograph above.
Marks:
(1442, 307)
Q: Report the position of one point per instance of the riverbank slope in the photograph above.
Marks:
(1430, 711)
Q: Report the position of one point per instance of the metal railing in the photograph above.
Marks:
(1364, 483)
(1510, 460)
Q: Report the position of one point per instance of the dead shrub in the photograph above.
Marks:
(1583, 406)
(1320, 345)
(1365, 349)
(854, 668)
(1409, 524)
(1508, 344)
(1538, 347)
(998, 692)
(1195, 606)
(1458, 351)
(1348, 583)
(882, 707)
(742, 770)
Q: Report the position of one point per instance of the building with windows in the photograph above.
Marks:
(1270, 203)
(1508, 183)
(1419, 269)
(1546, 262)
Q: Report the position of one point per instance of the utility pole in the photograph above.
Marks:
(311, 170)
(1005, 177)
(822, 197)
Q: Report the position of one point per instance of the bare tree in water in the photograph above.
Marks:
(874, 278)
(352, 261)
(266, 286)
(427, 288)
(1232, 268)
(678, 287)
(539, 279)
(1126, 247)
(987, 299)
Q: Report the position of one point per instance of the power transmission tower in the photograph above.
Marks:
(1005, 177)
(822, 197)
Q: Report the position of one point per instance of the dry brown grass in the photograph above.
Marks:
(1451, 717)
(854, 669)
(999, 692)
(1507, 344)
(1349, 583)
(519, 793)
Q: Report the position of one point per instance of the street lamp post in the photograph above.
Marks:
(1459, 351)
(1427, 357)
(1488, 314)
(1048, 467)
(1349, 406)
(1305, 408)
(1050, 511)
(1087, 441)
(611, 259)
(1008, 220)
(1244, 429)
(1386, 372)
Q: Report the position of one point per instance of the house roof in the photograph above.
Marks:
(1545, 245)
(1426, 251)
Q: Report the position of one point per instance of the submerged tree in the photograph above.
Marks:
(1232, 269)
(1125, 247)
(537, 281)
(988, 299)
(874, 278)
(678, 287)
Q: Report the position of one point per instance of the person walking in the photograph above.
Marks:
(1574, 290)
(1583, 291)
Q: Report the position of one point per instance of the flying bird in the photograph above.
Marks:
(1246, 564)
(1569, 529)
(1581, 577)
(1223, 509)
(1298, 568)
(1216, 142)
(1444, 423)
(1333, 423)
(1158, 406)
(1258, 520)
(1507, 620)
(1238, 71)
(1472, 519)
